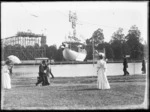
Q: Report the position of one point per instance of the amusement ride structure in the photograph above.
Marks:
(73, 49)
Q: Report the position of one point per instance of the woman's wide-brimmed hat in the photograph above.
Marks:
(101, 54)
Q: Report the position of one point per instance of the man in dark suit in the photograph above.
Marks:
(42, 74)
(125, 66)
(143, 67)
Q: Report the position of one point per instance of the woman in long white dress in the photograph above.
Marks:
(6, 81)
(102, 81)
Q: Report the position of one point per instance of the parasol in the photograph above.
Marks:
(14, 59)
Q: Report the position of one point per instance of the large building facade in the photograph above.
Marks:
(25, 51)
(24, 41)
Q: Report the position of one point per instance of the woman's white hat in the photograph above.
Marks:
(101, 54)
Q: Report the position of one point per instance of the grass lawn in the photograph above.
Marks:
(75, 93)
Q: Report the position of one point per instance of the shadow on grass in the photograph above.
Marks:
(87, 89)
(31, 85)
(20, 86)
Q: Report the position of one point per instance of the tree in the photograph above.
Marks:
(125, 49)
(117, 49)
(134, 33)
(134, 39)
(118, 36)
(97, 37)
(52, 52)
(36, 45)
(30, 52)
(89, 52)
(7, 51)
(59, 55)
(116, 42)
(109, 51)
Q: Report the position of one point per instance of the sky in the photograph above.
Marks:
(52, 18)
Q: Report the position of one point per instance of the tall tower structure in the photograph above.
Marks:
(73, 19)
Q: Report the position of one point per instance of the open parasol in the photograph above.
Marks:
(14, 59)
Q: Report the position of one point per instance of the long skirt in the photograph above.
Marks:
(102, 81)
(6, 81)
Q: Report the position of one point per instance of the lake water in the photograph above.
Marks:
(71, 70)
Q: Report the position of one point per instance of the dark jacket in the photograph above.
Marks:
(143, 65)
(41, 69)
(125, 63)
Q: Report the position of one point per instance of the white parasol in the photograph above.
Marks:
(14, 59)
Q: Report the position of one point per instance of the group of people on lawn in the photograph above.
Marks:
(45, 72)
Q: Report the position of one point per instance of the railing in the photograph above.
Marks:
(37, 62)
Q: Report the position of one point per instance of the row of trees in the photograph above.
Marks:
(24, 53)
(119, 46)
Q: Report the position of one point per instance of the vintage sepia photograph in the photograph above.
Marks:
(86, 55)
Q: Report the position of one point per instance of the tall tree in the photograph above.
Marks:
(118, 36)
(52, 52)
(116, 42)
(134, 39)
(89, 52)
(97, 37)
(109, 51)
(59, 55)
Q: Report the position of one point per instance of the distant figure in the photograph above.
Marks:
(102, 81)
(125, 66)
(143, 67)
(42, 74)
(6, 81)
(49, 68)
